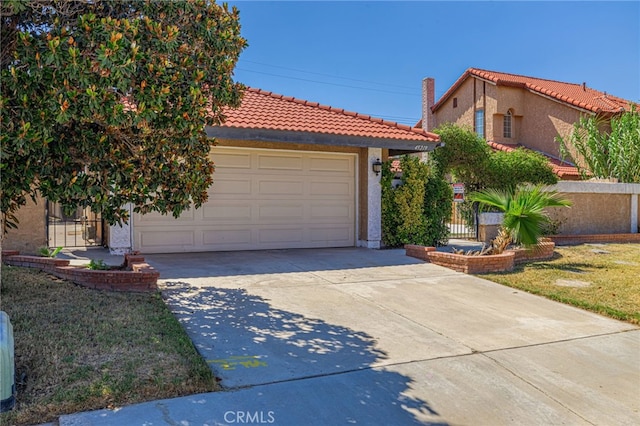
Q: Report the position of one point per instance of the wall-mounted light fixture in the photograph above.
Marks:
(377, 166)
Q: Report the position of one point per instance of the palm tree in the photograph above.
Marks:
(524, 213)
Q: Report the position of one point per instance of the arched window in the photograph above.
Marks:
(507, 125)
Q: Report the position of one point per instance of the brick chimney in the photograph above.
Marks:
(428, 99)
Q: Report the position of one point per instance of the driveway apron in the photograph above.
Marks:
(357, 336)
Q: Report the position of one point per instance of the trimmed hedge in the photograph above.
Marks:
(415, 212)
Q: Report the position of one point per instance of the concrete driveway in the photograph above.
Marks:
(363, 334)
(357, 336)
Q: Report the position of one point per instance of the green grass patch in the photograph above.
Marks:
(603, 278)
(79, 349)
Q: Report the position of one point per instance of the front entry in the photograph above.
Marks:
(82, 228)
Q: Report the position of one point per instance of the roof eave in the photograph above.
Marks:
(327, 139)
(569, 102)
(471, 72)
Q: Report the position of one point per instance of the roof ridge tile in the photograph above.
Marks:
(525, 76)
(575, 94)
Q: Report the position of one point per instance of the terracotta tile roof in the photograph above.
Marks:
(562, 169)
(577, 95)
(266, 110)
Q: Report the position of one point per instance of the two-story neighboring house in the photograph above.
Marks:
(510, 110)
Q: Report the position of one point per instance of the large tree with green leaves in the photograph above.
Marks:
(471, 161)
(606, 148)
(105, 102)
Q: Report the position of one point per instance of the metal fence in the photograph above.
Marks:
(464, 221)
(82, 228)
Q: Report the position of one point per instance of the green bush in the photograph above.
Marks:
(437, 209)
(469, 159)
(415, 212)
(606, 151)
(465, 155)
(509, 169)
(47, 252)
(97, 265)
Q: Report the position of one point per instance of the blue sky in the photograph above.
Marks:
(370, 57)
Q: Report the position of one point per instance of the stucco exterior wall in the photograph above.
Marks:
(487, 101)
(544, 119)
(588, 215)
(32, 229)
(506, 99)
(509, 98)
(462, 115)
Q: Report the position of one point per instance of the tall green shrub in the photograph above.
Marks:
(469, 160)
(415, 211)
(465, 155)
(437, 209)
(389, 210)
(510, 169)
(607, 153)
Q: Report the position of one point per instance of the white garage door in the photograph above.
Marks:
(262, 199)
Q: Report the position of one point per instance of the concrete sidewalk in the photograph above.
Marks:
(356, 336)
(83, 255)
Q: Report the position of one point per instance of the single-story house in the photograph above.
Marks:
(289, 173)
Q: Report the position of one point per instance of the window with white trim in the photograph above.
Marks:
(479, 123)
(507, 125)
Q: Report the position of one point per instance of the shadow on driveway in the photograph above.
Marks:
(248, 343)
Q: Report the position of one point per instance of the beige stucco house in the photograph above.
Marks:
(511, 110)
(289, 174)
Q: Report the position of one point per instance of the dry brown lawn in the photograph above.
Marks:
(603, 278)
(78, 349)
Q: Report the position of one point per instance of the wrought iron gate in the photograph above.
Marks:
(83, 228)
(464, 221)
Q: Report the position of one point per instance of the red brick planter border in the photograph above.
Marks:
(139, 276)
(474, 264)
(419, 252)
(470, 264)
(542, 251)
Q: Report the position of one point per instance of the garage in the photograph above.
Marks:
(289, 174)
(263, 199)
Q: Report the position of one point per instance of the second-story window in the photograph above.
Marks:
(480, 122)
(506, 125)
